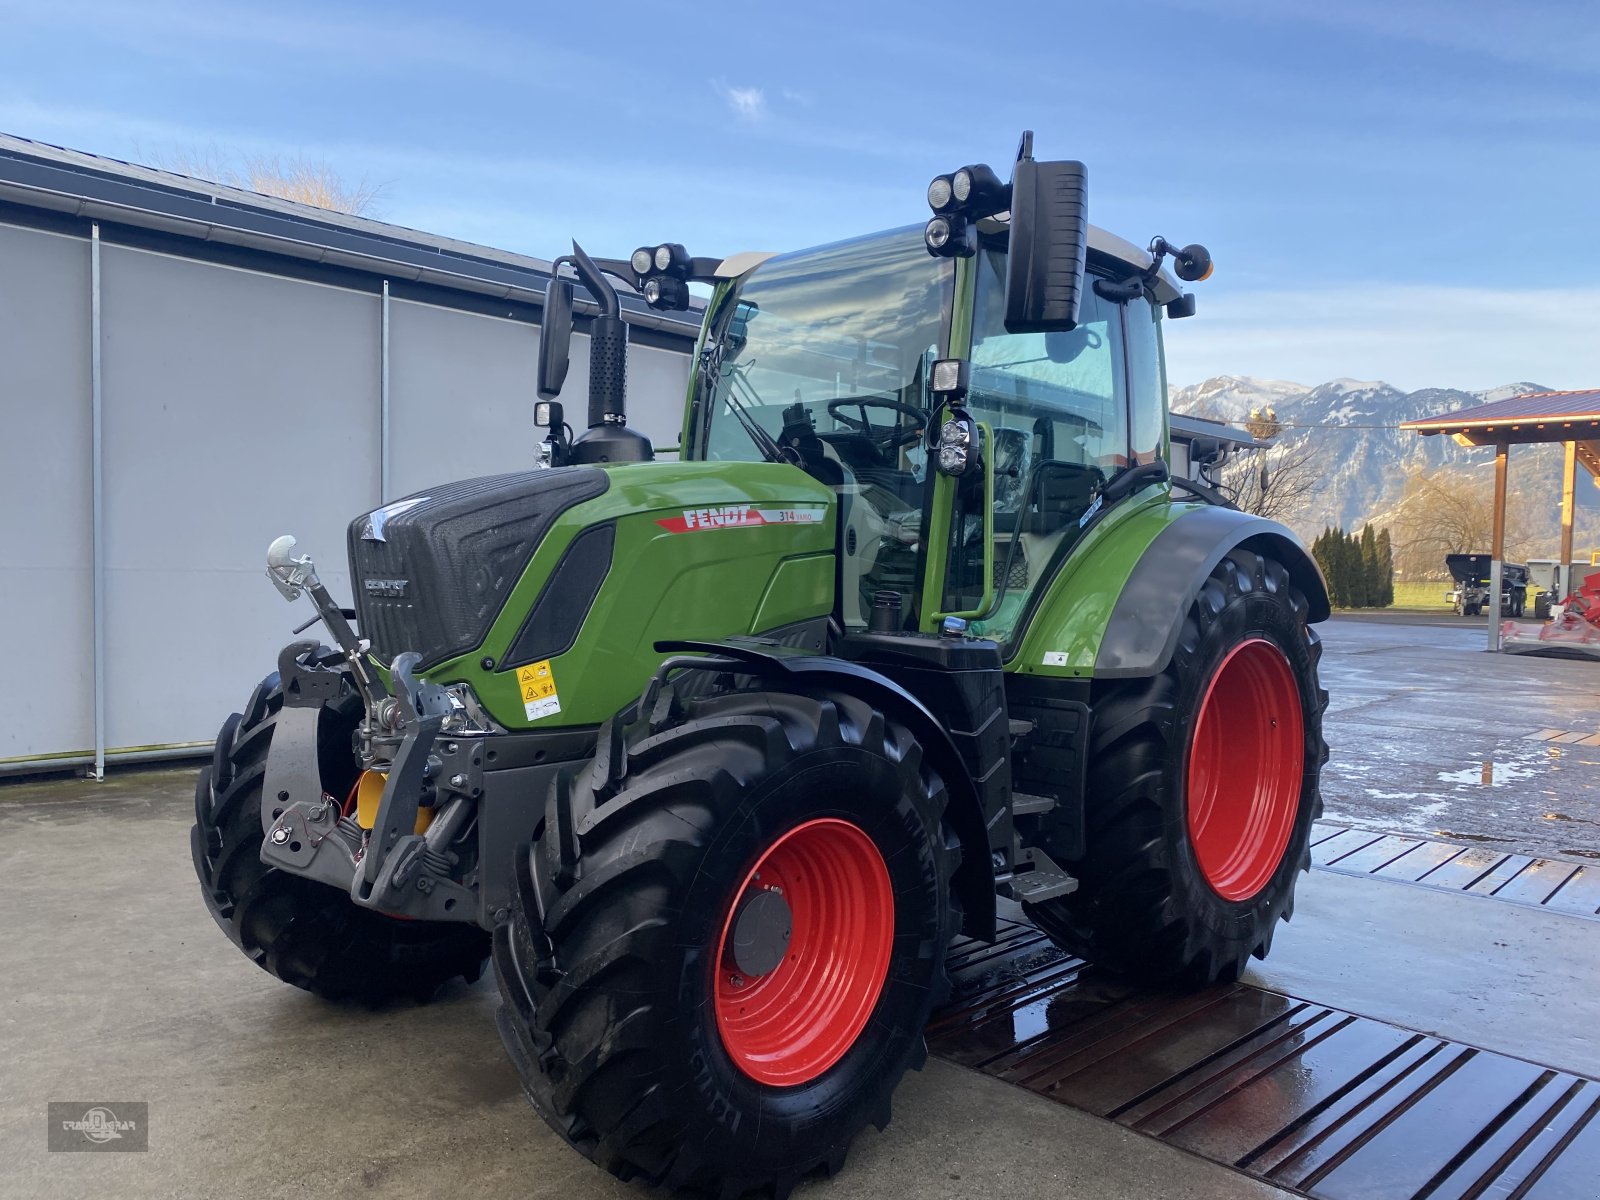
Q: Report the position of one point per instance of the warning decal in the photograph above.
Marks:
(538, 686)
(741, 516)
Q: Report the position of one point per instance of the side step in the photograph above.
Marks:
(1037, 879)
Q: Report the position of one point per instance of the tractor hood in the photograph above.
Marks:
(431, 571)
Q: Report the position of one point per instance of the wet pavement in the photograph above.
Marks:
(1430, 735)
(1424, 1027)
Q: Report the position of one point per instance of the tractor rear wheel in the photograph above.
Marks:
(726, 940)
(304, 932)
(1203, 785)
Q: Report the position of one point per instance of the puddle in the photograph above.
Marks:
(1495, 772)
(1448, 836)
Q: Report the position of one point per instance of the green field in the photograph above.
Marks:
(1428, 595)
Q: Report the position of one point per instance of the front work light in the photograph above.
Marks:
(948, 380)
(663, 291)
(957, 445)
(672, 258)
(640, 262)
(941, 194)
(979, 192)
(950, 237)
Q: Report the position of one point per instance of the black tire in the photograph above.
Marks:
(302, 931)
(1144, 906)
(607, 966)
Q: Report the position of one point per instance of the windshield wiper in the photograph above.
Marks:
(770, 450)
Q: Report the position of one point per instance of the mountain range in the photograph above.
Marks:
(1354, 423)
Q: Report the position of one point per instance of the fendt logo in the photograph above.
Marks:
(740, 516)
(385, 587)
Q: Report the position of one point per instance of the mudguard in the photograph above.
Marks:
(1143, 630)
(974, 879)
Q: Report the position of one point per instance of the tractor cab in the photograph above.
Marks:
(829, 355)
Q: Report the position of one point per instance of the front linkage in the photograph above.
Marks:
(416, 741)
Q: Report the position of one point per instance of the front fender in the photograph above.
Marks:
(1115, 609)
(1144, 627)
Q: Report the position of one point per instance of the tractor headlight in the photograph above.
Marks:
(663, 291)
(663, 257)
(940, 193)
(957, 445)
(950, 237)
(961, 185)
(640, 262)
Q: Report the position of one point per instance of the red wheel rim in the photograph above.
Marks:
(790, 1025)
(1245, 768)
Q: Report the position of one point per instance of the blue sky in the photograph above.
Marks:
(1403, 190)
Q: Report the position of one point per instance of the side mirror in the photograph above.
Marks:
(555, 338)
(1049, 240)
(1203, 451)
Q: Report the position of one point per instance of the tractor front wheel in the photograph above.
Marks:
(726, 940)
(1203, 784)
(304, 932)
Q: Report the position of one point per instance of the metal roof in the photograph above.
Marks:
(1530, 417)
(37, 175)
(1186, 428)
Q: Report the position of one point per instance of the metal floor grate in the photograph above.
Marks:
(1519, 878)
(1299, 1094)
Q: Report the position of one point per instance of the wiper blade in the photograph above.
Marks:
(770, 450)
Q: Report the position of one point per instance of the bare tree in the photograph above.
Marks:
(303, 180)
(1278, 482)
(1444, 510)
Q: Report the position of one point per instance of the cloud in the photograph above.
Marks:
(1412, 335)
(747, 103)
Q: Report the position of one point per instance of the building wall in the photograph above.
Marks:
(237, 404)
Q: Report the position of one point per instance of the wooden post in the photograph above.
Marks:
(1497, 551)
(1569, 476)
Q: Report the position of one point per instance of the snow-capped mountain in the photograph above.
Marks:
(1354, 423)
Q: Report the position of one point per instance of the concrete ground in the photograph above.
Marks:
(116, 985)
(1428, 734)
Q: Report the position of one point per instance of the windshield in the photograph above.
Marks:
(824, 360)
(845, 331)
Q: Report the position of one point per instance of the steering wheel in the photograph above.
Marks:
(889, 438)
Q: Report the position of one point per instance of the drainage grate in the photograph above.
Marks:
(1304, 1096)
(1519, 878)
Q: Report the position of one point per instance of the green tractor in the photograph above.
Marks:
(713, 757)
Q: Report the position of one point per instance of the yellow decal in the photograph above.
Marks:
(538, 684)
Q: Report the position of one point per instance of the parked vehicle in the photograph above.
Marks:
(718, 754)
(1470, 596)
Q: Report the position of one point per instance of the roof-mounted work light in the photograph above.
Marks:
(959, 199)
(662, 275)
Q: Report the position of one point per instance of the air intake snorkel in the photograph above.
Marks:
(608, 438)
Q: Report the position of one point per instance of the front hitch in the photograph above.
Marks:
(401, 865)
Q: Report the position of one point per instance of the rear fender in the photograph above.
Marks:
(974, 881)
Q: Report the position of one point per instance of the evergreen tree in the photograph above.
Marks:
(1371, 569)
(1339, 575)
(1385, 569)
(1355, 576)
(1326, 551)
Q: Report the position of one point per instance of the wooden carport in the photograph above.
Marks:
(1571, 418)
